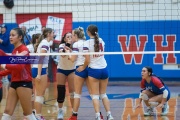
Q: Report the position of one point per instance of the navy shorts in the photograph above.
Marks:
(65, 72)
(98, 73)
(83, 74)
(35, 72)
(15, 85)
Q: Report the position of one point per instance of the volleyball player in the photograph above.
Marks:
(21, 81)
(65, 71)
(78, 37)
(97, 71)
(39, 71)
(154, 92)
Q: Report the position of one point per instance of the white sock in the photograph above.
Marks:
(6, 117)
(31, 117)
(75, 112)
(108, 113)
(38, 116)
(97, 114)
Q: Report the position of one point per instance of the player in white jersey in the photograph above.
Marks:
(39, 71)
(65, 71)
(97, 71)
(78, 37)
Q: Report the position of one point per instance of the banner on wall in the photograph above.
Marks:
(33, 26)
(57, 24)
(60, 22)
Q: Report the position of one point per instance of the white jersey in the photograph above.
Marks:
(64, 62)
(30, 48)
(44, 45)
(78, 47)
(97, 61)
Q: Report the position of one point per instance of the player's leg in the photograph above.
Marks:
(11, 102)
(61, 92)
(40, 86)
(25, 93)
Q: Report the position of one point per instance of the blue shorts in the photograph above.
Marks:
(35, 72)
(65, 72)
(98, 73)
(83, 74)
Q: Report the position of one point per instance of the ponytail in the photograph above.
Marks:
(38, 42)
(96, 42)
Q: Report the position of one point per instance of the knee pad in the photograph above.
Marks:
(61, 93)
(102, 96)
(153, 104)
(39, 99)
(95, 97)
(144, 96)
(77, 95)
(72, 95)
(6, 117)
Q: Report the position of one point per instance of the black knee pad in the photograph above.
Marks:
(61, 93)
(0, 94)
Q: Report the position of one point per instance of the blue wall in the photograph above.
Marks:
(109, 31)
(118, 70)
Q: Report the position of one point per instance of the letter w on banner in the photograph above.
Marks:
(132, 45)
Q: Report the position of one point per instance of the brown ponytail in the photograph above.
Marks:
(43, 36)
(94, 32)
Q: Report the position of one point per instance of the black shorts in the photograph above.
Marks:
(0, 94)
(15, 85)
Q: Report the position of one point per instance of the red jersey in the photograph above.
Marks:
(19, 72)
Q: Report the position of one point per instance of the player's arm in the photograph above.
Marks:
(73, 58)
(18, 67)
(5, 72)
(143, 87)
(44, 49)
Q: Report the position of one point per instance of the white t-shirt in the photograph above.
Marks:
(97, 61)
(64, 62)
(78, 47)
(44, 45)
(30, 48)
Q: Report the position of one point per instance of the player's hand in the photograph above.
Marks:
(38, 77)
(80, 68)
(160, 106)
(137, 106)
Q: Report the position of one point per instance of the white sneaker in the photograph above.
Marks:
(149, 112)
(165, 110)
(109, 117)
(60, 115)
(98, 118)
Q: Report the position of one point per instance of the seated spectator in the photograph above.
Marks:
(4, 39)
(27, 37)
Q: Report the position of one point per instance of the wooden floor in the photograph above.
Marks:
(122, 99)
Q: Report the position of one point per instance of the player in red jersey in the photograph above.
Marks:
(21, 82)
